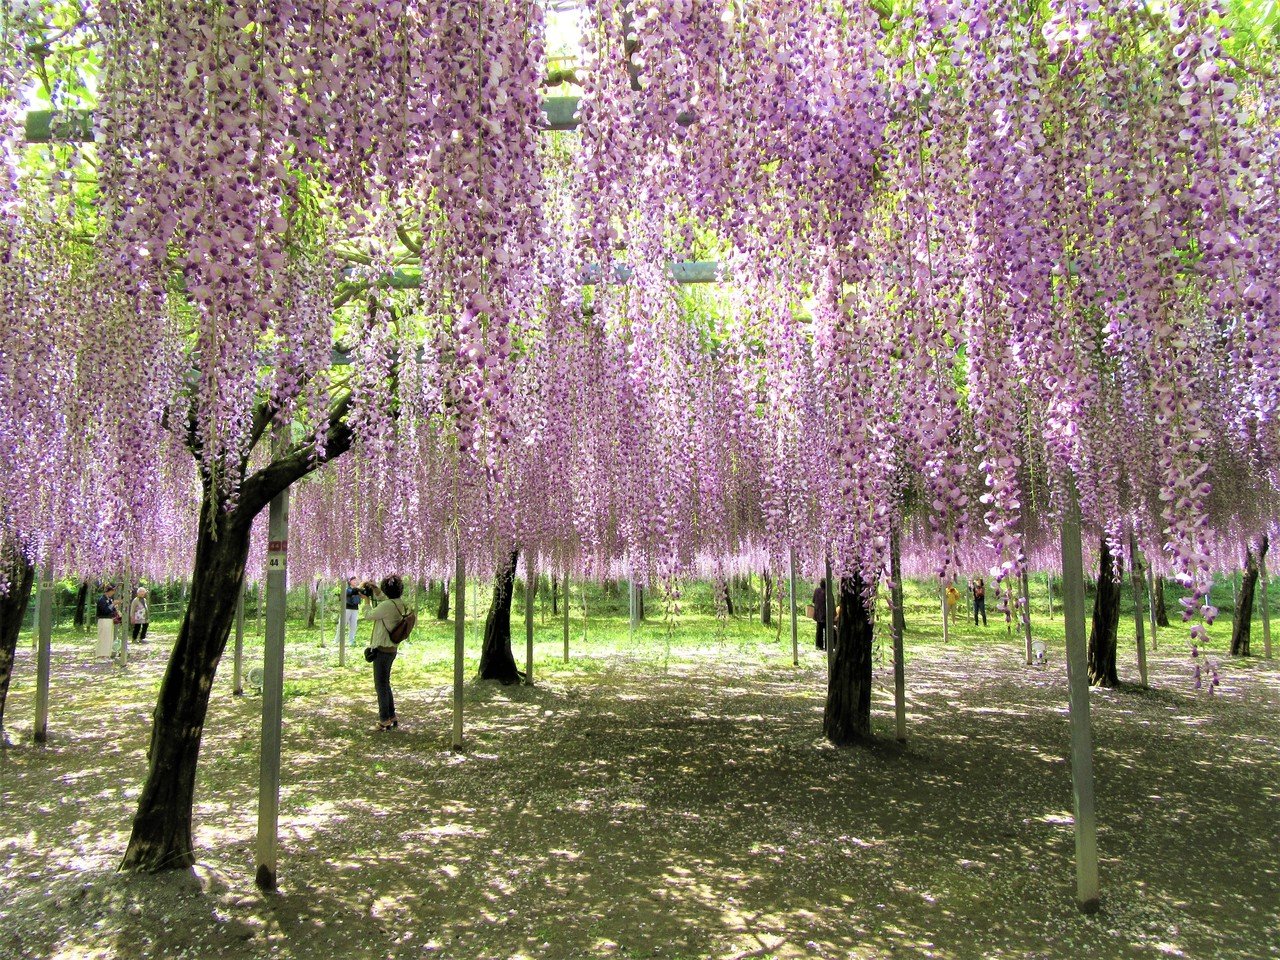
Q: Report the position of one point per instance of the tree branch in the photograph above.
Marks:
(299, 460)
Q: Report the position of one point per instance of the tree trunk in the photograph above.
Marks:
(1162, 615)
(13, 611)
(313, 598)
(639, 603)
(1240, 627)
(161, 838)
(847, 718)
(555, 597)
(82, 597)
(496, 659)
(766, 602)
(728, 600)
(1106, 623)
(442, 609)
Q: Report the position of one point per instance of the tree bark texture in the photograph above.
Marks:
(766, 601)
(161, 837)
(442, 609)
(496, 659)
(13, 611)
(1162, 615)
(313, 598)
(82, 597)
(1106, 622)
(728, 599)
(1240, 627)
(847, 717)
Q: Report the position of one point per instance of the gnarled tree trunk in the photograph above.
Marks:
(496, 659)
(766, 601)
(13, 611)
(82, 597)
(161, 837)
(1106, 622)
(442, 609)
(847, 717)
(1162, 614)
(1240, 627)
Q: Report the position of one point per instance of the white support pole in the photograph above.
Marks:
(631, 597)
(1266, 607)
(898, 620)
(1151, 603)
(565, 603)
(342, 624)
(1026, 612)
(237, 669)
(795, 635)
(1073, 610)
(459, 642)
(530, 588)
(44, 652)
(1135, 579)
(273, 683)
(946, 620)
(126, 619)
(831, 617)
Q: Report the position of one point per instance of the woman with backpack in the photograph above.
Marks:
(387, 614)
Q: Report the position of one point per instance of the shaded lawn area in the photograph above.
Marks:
(669, 796)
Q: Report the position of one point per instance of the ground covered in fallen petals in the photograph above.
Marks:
(663, 796)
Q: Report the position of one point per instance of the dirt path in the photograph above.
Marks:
(617, 810)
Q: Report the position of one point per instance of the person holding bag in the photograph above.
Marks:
(139, 615)
(388, 616)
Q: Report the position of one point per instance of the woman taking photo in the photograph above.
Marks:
(385, 611)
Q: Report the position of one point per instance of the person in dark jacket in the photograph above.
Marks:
(820, 615)
(979, 589)
(107, 604)
(352, 596)
(108, 617)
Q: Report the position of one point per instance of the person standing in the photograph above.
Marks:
(140, 615)
(108, 617)
(953, 603)
(352, 596)
(820, 615)
(386, 613)
(979, 589)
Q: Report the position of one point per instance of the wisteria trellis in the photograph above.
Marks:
(972, 249)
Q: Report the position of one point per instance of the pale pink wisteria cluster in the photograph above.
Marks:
(974, 255)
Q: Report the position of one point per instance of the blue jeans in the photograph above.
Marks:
(382, 661)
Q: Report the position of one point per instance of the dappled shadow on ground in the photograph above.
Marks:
(687, 810)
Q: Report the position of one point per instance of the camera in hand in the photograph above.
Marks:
(367, 589)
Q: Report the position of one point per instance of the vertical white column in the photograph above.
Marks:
(237, 668)
(1151, 603)
(795, 635)
(565, 600)
(1135, 579)
(946, 620)
(1026, 611)
(1266, 607)
(44, 651)
(530, 585)
(459, 642)
(342, 624)
(899, 622)
(831, 617)
(273, 682)
(1073, 610)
